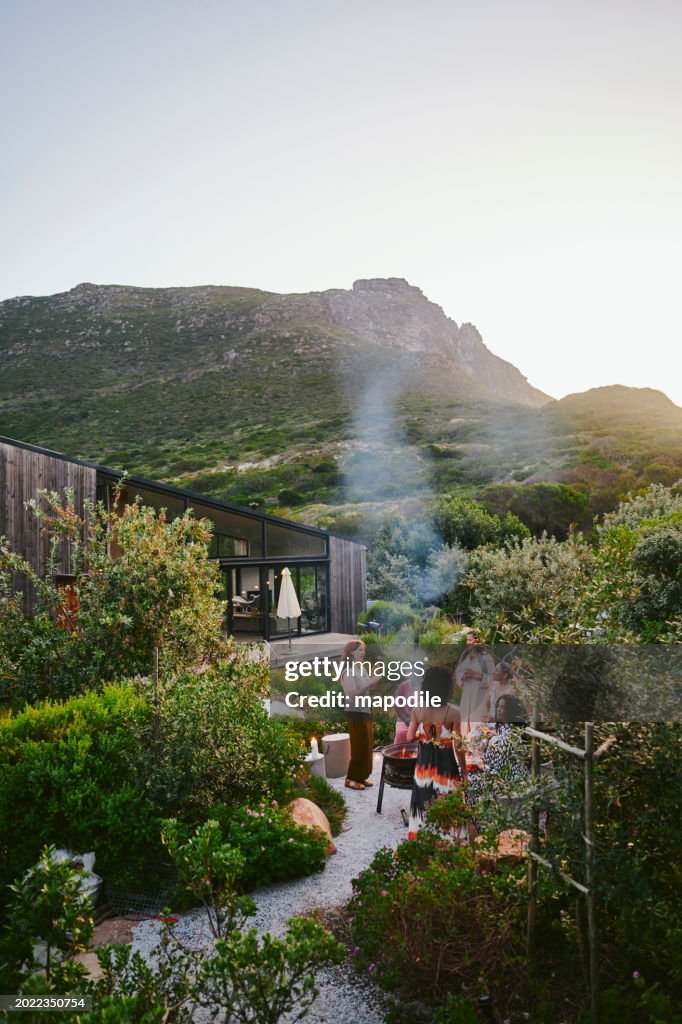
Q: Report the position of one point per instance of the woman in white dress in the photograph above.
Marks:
(473, 676)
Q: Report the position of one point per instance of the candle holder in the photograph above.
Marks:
(316, 764)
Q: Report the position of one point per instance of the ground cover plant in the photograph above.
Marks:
(241, 978)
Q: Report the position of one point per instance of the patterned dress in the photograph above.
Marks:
(502, 767)
(436, 773)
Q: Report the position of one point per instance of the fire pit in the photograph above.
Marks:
(397, 770)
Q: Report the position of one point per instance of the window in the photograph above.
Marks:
(283, 541)
(234, 536)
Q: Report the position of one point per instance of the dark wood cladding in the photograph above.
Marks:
(347, 584)
(23, 473)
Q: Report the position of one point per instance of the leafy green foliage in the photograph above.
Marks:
(460, 521)
(47, 906)
(389, 615)
(543, 507)
(636, 590)
(426, 916)
(637, 786)
(262, 979)
(160, 591)
(530, 590)
(272, 846)
(69, 776)
(217, 743)
(211, 869)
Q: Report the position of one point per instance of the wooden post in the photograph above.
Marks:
(534, 848)
(590, 872)
(157, 722)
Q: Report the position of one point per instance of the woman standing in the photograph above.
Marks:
(473, 674)
(441, 764)
(356, 682)
(501, 683)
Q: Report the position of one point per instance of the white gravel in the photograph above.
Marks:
(344, 998)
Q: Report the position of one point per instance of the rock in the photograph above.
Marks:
(306, 813)
(511, 848)
(113, 931)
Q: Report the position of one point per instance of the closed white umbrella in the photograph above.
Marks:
(287, 606)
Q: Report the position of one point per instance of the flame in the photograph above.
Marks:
(404, 752)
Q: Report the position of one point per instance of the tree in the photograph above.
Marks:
(160, 591)
(460, 521)
(530, 590)
(543, 507)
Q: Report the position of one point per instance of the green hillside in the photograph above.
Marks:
(313, 402)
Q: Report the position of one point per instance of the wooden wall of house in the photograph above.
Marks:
(348, 584)
(22, 474)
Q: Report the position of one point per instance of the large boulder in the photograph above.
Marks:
(306, 813)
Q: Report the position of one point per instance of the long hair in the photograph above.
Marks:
(437, 682)
(351, 646)
(514, 709)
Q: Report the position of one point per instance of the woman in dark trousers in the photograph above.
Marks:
(357, 682)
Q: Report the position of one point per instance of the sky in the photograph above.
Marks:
(520, 162)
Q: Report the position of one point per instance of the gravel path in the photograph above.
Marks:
(344, 998)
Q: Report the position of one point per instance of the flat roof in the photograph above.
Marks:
(180, 492)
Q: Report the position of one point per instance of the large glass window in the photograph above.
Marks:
(282, 541)
(154, 499)
(246, 601)
(312, 596)
(234, 536)
(253, 594)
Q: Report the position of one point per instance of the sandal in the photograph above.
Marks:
(350, 784)
(367, 783)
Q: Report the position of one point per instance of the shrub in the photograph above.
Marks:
(530, 590)
(424, 915)
(543, 507)
(69, 777)
(47, 906)
(466, 524)
(217, 743)
(637, 788)
(274, 848)
(160, 591)
(389, 615)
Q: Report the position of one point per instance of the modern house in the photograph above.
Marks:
(251, 546)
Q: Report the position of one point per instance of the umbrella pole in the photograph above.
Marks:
(289, 625)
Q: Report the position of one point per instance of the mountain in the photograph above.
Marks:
(368, 394)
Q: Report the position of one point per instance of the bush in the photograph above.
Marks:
(424, 915)
(466, 524)
(159, 591)
(543, 507)
(99, 778)
(639, 834)
(69, 777)
(390, 616)
(530, 590)
(217, 743)
(274, 848)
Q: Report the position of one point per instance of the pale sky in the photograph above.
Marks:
(520, 162)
